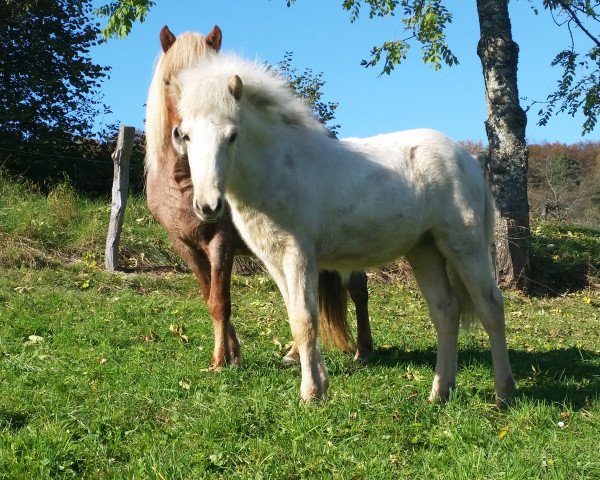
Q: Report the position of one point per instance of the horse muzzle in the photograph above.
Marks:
(209, 213)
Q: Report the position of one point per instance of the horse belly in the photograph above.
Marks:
(372, 245)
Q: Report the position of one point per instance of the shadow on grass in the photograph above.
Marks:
(12, 421)
(569, 375)
(564, 259)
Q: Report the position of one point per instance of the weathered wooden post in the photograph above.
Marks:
(121, 157)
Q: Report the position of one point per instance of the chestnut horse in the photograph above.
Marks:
(209, 248)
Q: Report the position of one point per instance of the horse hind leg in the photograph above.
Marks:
(429, 268)
(292, 356)
(357, 288)
(474, 270)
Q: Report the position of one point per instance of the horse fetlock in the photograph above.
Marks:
(222, 358)
(505, 392)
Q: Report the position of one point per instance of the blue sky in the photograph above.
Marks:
(322, 38)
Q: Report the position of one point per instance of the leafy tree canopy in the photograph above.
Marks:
(49, 89)
(308, 85)
(424, 23)
(47, 80)
(579, 86)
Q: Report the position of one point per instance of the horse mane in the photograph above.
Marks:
(186, 51)
(268, 92)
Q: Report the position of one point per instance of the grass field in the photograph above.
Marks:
(105, 376)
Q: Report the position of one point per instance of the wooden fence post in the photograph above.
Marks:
(121, 157)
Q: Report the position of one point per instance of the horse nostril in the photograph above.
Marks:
(206, 209)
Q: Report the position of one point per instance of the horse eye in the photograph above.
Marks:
(179, 137)
(232, 137)
(167, 82)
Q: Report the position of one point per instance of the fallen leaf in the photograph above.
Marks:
(178, 330)
(185, 384)
(22, 289)
(33, 339)
(151, 337)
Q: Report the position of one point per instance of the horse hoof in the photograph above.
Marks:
(290, 360)
(504, 402)
(312, 397)
(362, 357)
(439, 396)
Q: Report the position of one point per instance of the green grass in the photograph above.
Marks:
(93, 384)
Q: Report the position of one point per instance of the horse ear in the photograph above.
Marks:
(167, 39)
(235, 87)
(214, 38)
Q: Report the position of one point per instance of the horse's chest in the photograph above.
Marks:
(259, 231)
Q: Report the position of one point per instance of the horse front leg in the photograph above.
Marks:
(214, 287)
(227, 344)
(301, 283)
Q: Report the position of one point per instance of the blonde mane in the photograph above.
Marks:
(187, 49)
(205, 86)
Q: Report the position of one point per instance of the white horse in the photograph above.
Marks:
(304, 201)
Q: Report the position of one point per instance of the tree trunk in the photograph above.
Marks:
(507, 154)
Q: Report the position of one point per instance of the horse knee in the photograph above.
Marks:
(219, 309)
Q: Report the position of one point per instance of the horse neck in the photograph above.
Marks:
(266, 149)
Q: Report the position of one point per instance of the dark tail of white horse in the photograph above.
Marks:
(333, 312)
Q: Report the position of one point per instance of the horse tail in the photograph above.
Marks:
(489, 218)
(333, 312)
(467, 309)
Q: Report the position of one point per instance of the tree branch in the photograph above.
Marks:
(574, 17)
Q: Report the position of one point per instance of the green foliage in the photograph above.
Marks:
(50, 94)
(309, 86)
(564, 258)
(49, 86)
(121, 14)
(578, 88)
(423, 20)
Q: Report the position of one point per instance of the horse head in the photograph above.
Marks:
(162, 116)
(167, 40)
(207, 135)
